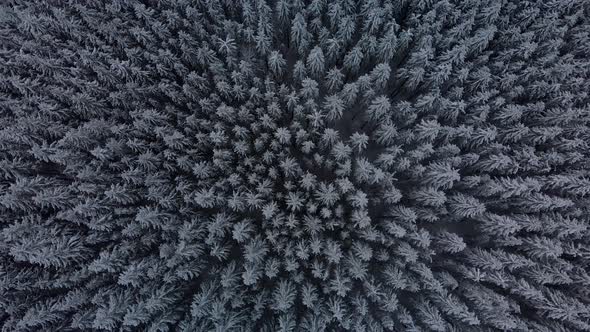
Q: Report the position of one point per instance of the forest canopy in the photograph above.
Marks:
(295, 165)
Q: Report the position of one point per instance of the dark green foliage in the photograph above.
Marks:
(295, 165)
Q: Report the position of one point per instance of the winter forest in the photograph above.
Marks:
(295, 165)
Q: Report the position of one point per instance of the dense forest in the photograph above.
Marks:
(295, 165)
